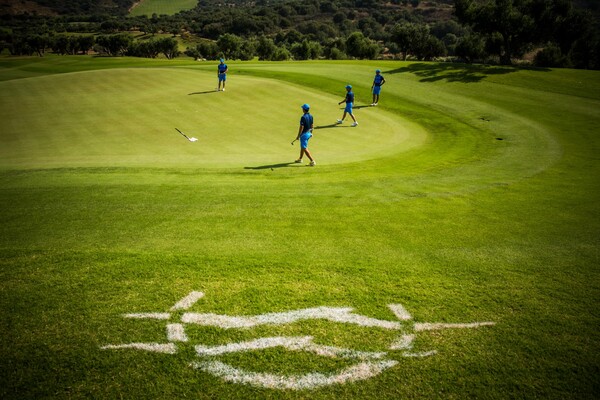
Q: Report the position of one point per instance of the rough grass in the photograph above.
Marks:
(104, 214)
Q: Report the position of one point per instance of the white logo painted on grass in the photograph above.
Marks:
(367, 364)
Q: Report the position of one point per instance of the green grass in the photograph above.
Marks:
(162, 7)
(107, 210)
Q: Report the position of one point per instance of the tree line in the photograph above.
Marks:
(499, 31)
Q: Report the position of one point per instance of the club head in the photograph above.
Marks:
(193, 139)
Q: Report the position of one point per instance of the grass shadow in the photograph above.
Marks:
(326, 126)
(205, 92)
(465, 73)
(271, 166)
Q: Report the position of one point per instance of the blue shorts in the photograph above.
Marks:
(348, 108)
(304, 139)
(376, 89)
(222, 77)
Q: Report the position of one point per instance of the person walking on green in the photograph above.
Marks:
(305, 133)
(378, 82)
(349, 99)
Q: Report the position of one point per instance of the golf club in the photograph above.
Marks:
(191, 139)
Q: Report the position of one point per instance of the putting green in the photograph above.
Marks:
(127, 117)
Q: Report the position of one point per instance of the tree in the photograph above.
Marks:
(39, 43)
(509, 21)
(357, 45)
(415, 39)
(265, 48)
(471, 48)
(230, 45)
(307, 50)
(281, 54)
(115, 45)
(168, 46)
(147, 48)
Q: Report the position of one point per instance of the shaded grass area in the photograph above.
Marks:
(463, 228)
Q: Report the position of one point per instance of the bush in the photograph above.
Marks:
(550, 56)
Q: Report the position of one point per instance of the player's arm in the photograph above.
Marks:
(299, 130)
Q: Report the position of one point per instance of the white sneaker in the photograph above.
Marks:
(312, 163)
(373, 104)
(354, 124)
(298, 161)
(339, 121)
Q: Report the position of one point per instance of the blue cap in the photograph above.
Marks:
(221, 60)
(377, 71)
(305, 107)
(349, 87)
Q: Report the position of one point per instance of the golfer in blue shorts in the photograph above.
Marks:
(305, 133)
(349, 99)
(222, 74)
(378, 82)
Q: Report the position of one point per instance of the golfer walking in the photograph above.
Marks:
(222, 74)
(378, 82)
(305, 133)
(349, 99)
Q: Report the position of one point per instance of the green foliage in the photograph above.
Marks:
(512, 27)
(550, 56)
(509, 28)
(358, 46)
(114, 45)
(471, 48)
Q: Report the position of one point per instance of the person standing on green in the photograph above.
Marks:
(305, 133)
(349, 99)
(378, 82)
(222, 74)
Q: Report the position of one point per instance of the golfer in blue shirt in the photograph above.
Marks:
(222, 74)
(378, 82)
(305, 133)
(349, 99)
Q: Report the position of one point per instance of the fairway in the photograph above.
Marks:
(447, 247)
(161, 7)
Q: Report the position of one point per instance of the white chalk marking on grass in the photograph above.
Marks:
(369, 363)
(168, 348)
(404, 343)
(434, 326)
(187, 301)
(148, 315)
(334, 314)
(298, 343)
(423, 354)
(400, 312)
(313, 380)
(176, 333)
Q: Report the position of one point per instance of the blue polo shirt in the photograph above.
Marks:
(350, 97)
(222, 68)
(378, 79)
(306, 121)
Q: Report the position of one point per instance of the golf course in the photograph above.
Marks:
(447, 247)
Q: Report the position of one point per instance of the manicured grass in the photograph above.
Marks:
(107, 210)
(162, 7)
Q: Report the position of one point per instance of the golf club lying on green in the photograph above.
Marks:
(191, 139)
